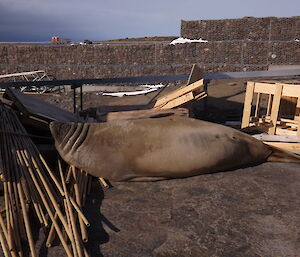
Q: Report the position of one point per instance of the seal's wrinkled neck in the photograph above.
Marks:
(59, 130)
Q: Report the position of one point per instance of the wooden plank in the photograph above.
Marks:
(285, 132)
(297, 112)
(269, 88)
(143, 114)
(20, 74)
(289, 121)
(248, 104)
(184, 99)
(257, 106)
(200, 96)
(31, 106)
(179, 92)
(277, 138)
(195, 75)
(275, 108)
(291, 90)
(285, 146)
(264, 88)
(270, 101)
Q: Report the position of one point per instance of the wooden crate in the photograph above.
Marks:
(273, 120)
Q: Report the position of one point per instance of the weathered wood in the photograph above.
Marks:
(184, 99)
(277, 138)
(297, 112)
(275, 108)
(283, 103)
(195, 75)
(248, 104)
(26, 73)
(31, 106)
(179, 92)
(142, 114)
(257, 107)
(285, 132)
(284, 145)
(264, 88)
(269, 107)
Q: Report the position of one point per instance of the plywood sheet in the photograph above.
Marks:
(31, 106)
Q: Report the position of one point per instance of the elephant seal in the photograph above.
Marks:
(154, 149)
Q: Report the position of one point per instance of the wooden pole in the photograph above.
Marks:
(71, 214)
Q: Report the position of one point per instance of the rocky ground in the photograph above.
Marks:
(246, 212)
(251, 211)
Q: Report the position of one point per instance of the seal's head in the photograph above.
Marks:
(59, 130)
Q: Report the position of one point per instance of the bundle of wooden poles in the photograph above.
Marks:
(35, 192)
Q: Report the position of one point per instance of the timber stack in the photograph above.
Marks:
(54, 197)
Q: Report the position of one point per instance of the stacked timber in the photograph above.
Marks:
(181, 96)
(35, 193)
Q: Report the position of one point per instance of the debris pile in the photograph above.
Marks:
(34, 191)
(41, 190)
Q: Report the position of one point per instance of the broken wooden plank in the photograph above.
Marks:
(20, 74)
(179, 92)
(184, 99)
(195, 75)
(143, 114)
(31, 106)
(277, 138)
(248, 104)
(284, 145)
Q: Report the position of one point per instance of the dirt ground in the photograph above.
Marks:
(252, 211)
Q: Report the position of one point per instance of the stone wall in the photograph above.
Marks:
(248, 28)
(100, 61)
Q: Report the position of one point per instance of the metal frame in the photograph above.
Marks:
(79, 83)
(75, 83)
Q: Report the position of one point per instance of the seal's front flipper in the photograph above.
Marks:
(279, 155)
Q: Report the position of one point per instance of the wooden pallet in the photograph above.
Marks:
(272, 121)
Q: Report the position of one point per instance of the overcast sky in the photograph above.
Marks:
(38, 20)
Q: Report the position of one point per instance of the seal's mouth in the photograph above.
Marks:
(59, 130)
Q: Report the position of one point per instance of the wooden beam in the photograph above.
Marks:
(184, 99)
(257, 107)
(277, 138)
(297, 113)
(20, 74)
(248, 104)
(284, 145)
(275, 108)
(291, 90)
(195, 75)
(285, 132)
(264, 88)
(270, 101)
(179, 92)
(143, 114)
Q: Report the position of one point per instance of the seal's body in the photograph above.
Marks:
(152, 149)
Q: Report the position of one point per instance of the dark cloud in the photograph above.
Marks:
(35, 20)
